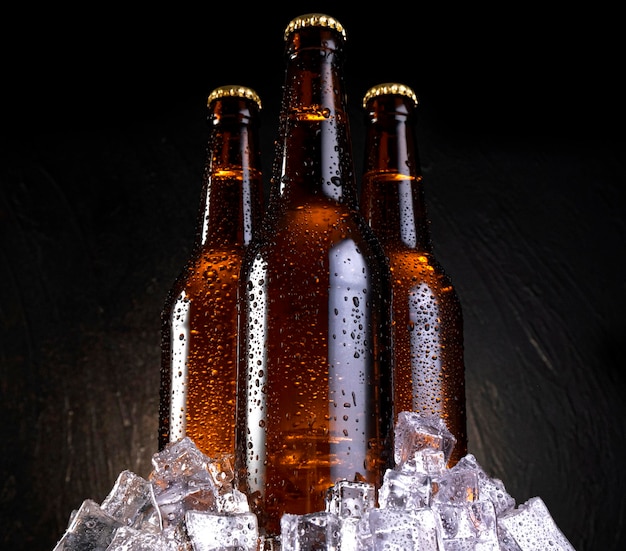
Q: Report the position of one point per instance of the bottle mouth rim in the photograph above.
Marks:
(390, 88)
(234, 91)
(314, 20)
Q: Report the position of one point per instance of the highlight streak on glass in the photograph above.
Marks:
(347, 339)
(257, 381)
(179, 344)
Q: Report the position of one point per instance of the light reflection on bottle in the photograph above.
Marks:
(348, 322)
(179, 346)
(405, 208)
(257, 381)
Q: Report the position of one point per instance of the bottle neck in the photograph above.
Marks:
(392, 197)
(313, 158)
(232, 182)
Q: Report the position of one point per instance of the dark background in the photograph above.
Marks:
(103, 143)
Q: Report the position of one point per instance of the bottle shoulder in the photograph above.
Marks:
(414, 264)
(320, 222)
(306, 236)
(410, 258)
(206, 267)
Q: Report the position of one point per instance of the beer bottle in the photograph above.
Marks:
(429, 369)
(199, 319)
(314, 395)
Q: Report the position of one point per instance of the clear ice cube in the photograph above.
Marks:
(468, 525)
(182, 481)
(350, 499)
(131, 539)
(532, 527)
(310, 532)
(402, 530)
(91, 529)
(456, 485)
(222, 532)
(489, 488)
(401, 490)
(130, 500)
(416, 433)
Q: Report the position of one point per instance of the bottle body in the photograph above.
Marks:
(199, 319)
(429, 367)
(314, 399)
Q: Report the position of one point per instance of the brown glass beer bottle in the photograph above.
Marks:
(314, 398)
(429, 374)
(199, 319)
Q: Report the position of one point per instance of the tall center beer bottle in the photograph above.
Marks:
(199, 319)
(314, 398)
(429, 374)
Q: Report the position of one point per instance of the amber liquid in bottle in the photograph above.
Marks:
(199, 319)
(429, 374)
(315, 360)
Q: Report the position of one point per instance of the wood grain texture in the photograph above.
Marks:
(98, 198)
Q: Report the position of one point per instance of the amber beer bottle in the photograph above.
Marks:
(314, 400)
(429, 374)
(199, 319)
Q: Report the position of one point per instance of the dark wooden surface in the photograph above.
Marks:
(522, 149)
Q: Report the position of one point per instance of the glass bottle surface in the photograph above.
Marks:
(199, 319)
(315, 359)
(429, 367)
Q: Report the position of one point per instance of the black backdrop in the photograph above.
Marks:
(103, 142)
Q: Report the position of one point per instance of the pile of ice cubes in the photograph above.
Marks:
(189, 503)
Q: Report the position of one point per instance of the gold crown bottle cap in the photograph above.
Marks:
(314, 20)
(393, 88)
(234, 91)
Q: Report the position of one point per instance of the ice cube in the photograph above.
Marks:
(426, 461)
(350, 499)
(468, 525)
(456, 485)
(130, 500)
(131, 539)
(224, 532)
(91, 529)
(310, 532)
(355, 534)
(233, 501)
(402, 530)
(491, 489)
(180, 461)
(221, 469)
(532, 527)
(416, 433)
(182, 481)
(401, 490)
